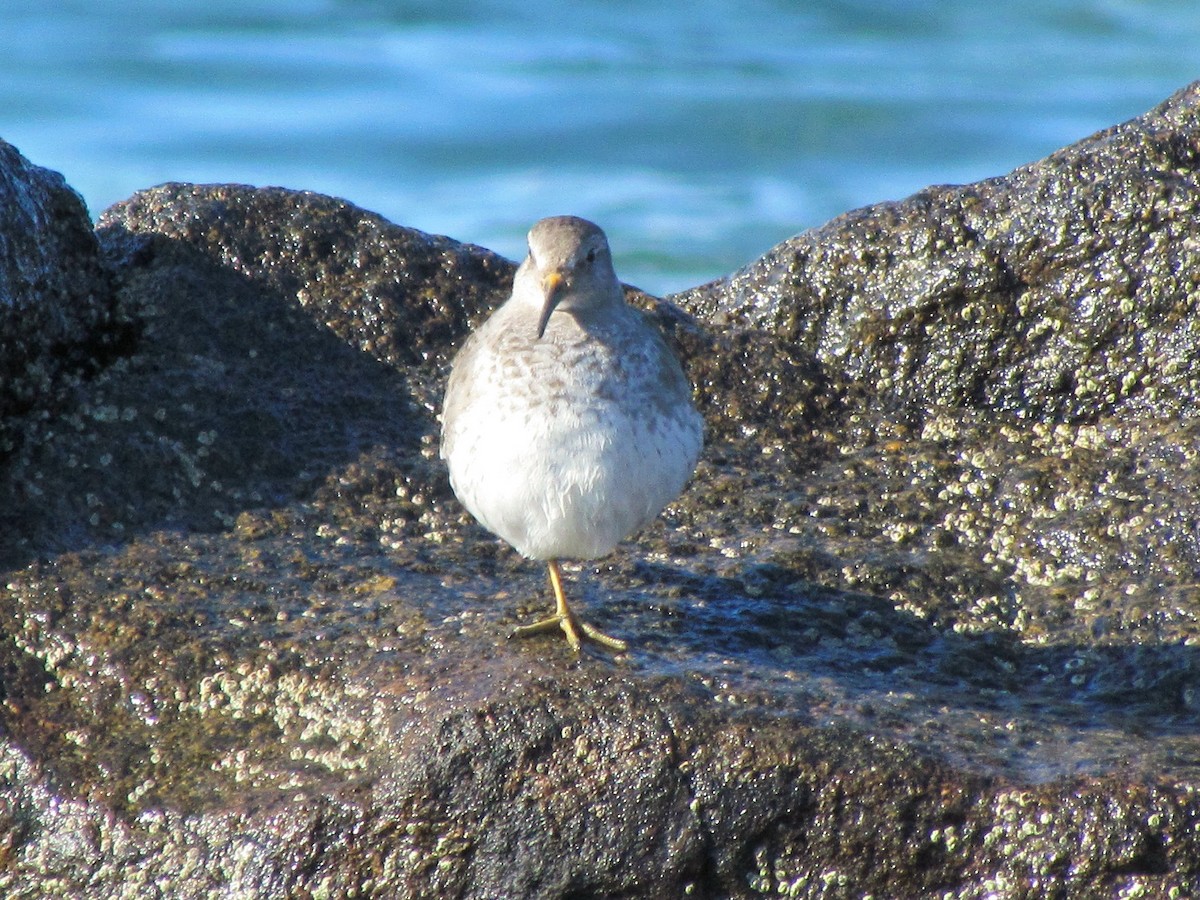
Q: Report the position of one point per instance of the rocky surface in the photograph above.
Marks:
(57, 320)
(925, 624)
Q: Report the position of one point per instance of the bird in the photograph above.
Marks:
(567, 422)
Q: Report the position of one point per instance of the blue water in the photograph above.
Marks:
(697, 134)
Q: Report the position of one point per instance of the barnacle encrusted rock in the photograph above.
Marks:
(924, 624)
(57, 318)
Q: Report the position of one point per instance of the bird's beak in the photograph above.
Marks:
(552, 287)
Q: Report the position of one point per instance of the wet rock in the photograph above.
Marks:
(397, 294)
(57, 319)
(247, 386)
(1064, 290)
(925, 623)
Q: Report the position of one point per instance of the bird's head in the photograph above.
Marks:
(569, 267)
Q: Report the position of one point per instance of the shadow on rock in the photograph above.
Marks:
(981, 698)
(233, 399)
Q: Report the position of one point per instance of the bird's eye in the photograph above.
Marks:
(591, 257)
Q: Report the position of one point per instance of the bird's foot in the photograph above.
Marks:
(575, 630)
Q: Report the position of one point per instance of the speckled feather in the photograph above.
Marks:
(564, 445)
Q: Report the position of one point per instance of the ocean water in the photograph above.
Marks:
(697, 134)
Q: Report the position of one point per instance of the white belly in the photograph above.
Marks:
(563, 480)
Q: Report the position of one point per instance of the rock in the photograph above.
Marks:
(241, 393)
(927, 633)
(56, 302)
(399, 295)
(1064, 291)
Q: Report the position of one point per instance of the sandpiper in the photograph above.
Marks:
(568, 423)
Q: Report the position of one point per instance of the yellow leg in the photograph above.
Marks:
(575, 630)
